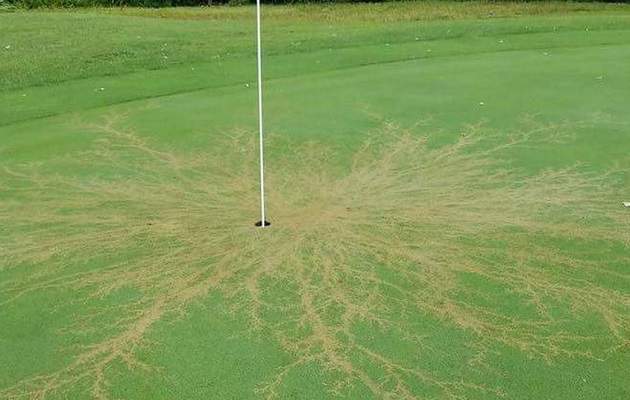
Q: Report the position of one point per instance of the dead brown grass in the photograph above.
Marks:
(406, 231)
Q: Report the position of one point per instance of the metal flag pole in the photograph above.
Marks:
(262, 222)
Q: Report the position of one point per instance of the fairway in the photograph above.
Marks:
(444, 180)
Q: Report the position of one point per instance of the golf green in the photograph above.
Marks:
(445, 197)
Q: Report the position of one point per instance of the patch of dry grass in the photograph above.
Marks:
(377, 12)
(397, 235)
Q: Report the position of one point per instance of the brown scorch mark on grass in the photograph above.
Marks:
(403, 231)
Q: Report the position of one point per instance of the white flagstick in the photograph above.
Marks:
(260, 117)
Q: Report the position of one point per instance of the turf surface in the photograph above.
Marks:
(445, 197)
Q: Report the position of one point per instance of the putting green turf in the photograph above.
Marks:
(445, 197)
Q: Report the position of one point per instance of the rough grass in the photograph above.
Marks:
(40, 47)
(378, 12)
(398, 234)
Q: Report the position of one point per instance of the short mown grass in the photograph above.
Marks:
(445, 196)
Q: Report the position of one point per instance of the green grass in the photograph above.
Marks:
(444, 179)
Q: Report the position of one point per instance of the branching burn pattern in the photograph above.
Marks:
(402, 231)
